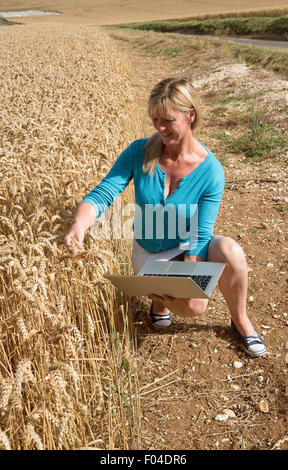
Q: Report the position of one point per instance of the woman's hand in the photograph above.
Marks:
(77, 233)
(85, 217)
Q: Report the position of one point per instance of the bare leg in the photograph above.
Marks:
(234, 280)
(233, 285)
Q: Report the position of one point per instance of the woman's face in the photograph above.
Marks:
(174, 130)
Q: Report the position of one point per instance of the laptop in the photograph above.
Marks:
(177, 279)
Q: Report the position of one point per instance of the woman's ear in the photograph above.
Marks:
(191, 114)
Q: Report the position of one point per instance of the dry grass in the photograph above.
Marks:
(67, 373)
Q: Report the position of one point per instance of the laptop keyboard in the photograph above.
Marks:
(201, 280)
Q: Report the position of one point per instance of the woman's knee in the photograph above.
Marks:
(197, 306)
(226, 250)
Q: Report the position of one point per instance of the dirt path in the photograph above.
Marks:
(187, 374)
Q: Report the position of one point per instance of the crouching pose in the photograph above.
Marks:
(174, 169)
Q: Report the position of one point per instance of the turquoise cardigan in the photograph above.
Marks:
(185, 219)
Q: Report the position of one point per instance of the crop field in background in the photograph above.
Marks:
(261, 27)
(121, 11)
(67, 378)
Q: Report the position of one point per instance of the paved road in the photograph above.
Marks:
(255, 42)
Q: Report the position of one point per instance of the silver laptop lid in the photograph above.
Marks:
(204, 274)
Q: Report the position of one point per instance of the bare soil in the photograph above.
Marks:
(187, 373)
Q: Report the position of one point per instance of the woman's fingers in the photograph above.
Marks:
(77, 237)
(161, 298)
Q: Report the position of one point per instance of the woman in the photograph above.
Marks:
(172, 169)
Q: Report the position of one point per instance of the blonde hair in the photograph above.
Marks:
(167, 96)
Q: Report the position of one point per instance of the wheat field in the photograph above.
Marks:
(68, 378)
